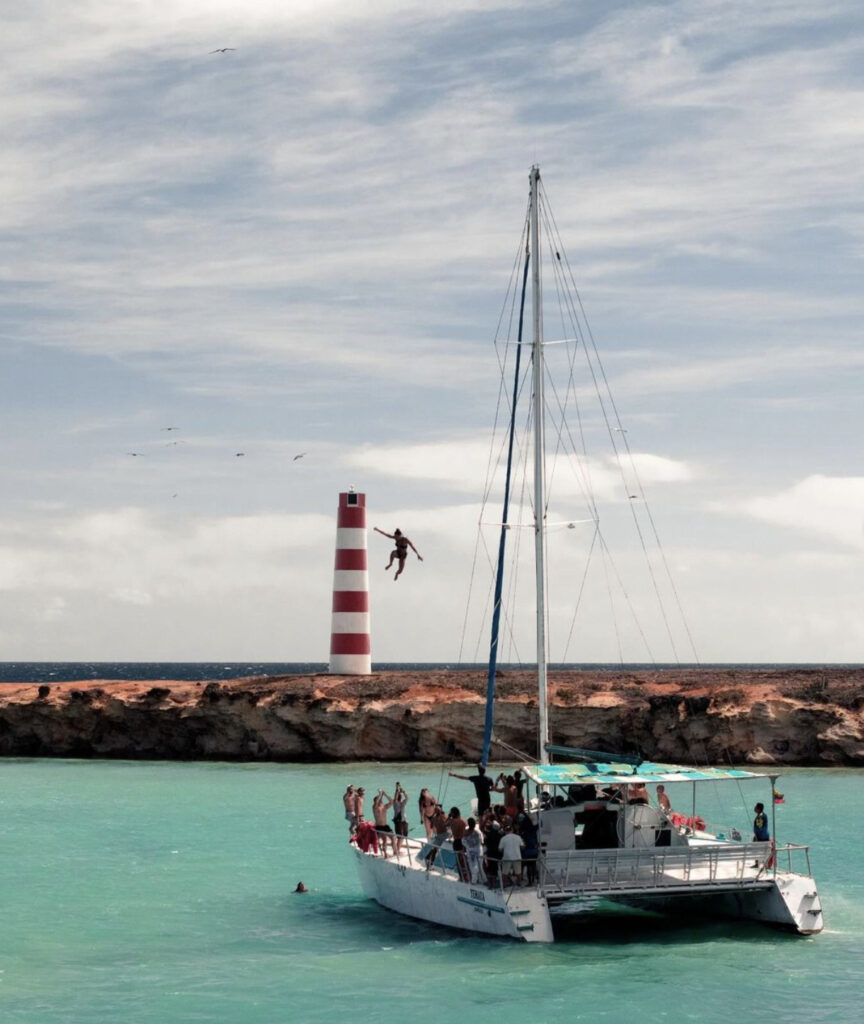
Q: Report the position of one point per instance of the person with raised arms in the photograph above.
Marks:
(400, 550)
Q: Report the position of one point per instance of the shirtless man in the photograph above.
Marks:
(662, 799)
(400, 551)
(380, 806)
(349, 800)
(637, 793)
(359, 797)
(440, 824)
(458, 827)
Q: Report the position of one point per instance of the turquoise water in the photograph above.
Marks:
(137, 893)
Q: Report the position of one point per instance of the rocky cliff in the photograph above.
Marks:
(802, 717)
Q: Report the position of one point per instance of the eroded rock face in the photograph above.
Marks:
(704, 716)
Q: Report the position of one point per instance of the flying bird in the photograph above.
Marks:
(238, 454)
(300, 456)
(135, 454)
(169, 428)
(224, 49)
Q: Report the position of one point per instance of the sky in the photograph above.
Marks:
(303, 244)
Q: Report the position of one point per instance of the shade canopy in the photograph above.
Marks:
(612, 773)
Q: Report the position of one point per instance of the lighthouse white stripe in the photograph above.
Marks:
(350, 579)
(350, 622)
(351, 664)
(350, 537)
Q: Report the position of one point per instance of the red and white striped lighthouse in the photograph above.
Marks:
(350, 639)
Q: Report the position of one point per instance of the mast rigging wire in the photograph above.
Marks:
(565, 264)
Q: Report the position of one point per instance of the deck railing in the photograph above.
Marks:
(444, 862)
(668, 868)
(569, 872)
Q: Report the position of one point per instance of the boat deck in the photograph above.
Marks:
(692, 868)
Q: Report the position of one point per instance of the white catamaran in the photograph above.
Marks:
(599, 838)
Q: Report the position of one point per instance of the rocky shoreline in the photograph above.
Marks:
(758, 717)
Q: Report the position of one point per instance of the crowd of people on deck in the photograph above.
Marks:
(500, 846)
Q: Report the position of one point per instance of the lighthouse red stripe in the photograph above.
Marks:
(351, 558)
(350, 643)
(350, 601)
(353, 517)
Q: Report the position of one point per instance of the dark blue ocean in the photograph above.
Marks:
(68, 671)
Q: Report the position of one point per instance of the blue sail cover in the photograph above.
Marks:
(610, 774)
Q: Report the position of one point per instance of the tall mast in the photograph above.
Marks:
(539, 468)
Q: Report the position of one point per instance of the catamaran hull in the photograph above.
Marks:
(789, 901)
(442, 899)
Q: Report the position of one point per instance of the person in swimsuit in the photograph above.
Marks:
(359, 798)
(511, 796)
(426, 804)
(637, 793)
(348, 799)
(400, 822)
(380, 806)
(520, 781)
(458, 828)
(440, 826)
(663, 799)
(400, 551)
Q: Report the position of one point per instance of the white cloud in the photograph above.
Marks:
(169, 589)
(465, 465)
(131, 596)
(830, 507)
(711, 374)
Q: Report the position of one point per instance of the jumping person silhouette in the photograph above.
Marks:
(400, 551)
